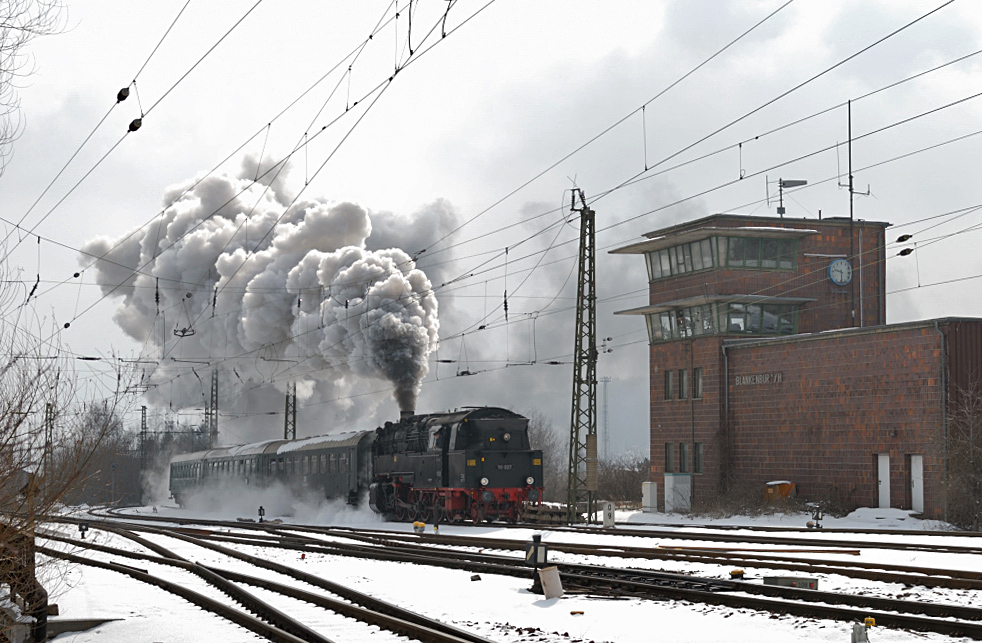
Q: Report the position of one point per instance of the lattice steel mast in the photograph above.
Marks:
(290, 414)
(213, 407)
(582, 489)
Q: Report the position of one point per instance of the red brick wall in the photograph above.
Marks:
(691, 420)
(842, 399)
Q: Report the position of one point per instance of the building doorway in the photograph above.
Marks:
(883, 479)
(917, 483)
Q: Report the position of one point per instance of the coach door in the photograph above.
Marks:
(917, 483)
(883, 479)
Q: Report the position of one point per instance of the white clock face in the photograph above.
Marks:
(840, 272)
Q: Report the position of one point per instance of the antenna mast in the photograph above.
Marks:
(582, 486)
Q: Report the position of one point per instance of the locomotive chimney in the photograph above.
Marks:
(405, 415)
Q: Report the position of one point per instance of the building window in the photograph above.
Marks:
(669, 384)
(697, 383)
(766, 254)
(757, 319)
(669, 457)
(697, 464)
(683, 384)
(683, 457)
(681, 259)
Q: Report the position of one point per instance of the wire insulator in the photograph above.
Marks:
(136, 124)
(123, 94)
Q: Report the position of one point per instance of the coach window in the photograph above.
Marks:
(323, 463)
(697, 383)
(669, 457)
(306, 465)
(669, 377)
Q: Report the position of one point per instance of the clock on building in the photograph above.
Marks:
(840, 272)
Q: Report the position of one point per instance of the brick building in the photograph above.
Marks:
(770, 359)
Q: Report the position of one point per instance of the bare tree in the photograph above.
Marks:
(555, 472)
(962, 448)
(21, 21)
(620, 478)
(47, 445)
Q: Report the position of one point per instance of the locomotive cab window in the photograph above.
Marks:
(436, 439)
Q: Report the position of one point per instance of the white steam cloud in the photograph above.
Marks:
(300, 297)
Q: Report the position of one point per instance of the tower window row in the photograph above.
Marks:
(722, 252)
(733, 318)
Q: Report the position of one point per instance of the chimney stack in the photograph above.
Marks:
(405, 415)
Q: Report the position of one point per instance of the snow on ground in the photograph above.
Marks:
(499, 608)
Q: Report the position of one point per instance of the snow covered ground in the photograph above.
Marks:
(499, 608)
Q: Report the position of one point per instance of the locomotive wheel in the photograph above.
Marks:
(402, 513)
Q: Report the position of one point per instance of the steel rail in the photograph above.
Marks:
(373, 611)
(251, 623)
(648, 584)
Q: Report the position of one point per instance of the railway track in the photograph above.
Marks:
(607, 581)
(260, 616)
(880, 572)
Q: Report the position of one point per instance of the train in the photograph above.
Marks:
(473, 464)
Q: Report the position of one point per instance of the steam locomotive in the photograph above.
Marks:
(474, 464)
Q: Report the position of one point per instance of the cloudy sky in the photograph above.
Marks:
(470, 151)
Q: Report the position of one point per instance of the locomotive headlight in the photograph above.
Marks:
(484, 481)
(529, 480)
(506, 437)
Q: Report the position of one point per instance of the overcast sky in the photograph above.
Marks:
(462, 133)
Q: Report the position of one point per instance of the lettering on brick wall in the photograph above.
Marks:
(759, 379)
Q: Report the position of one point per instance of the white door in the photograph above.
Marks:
(883, 479)
(917, 483)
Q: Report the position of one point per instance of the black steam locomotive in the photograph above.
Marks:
(474, 464)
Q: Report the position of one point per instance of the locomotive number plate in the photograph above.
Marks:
(504, 467)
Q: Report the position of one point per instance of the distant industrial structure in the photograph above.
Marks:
(771, 360)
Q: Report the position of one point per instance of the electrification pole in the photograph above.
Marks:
(290, 416)
(606, 425)
(213, 417)
(582, 487)
(144, 445)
